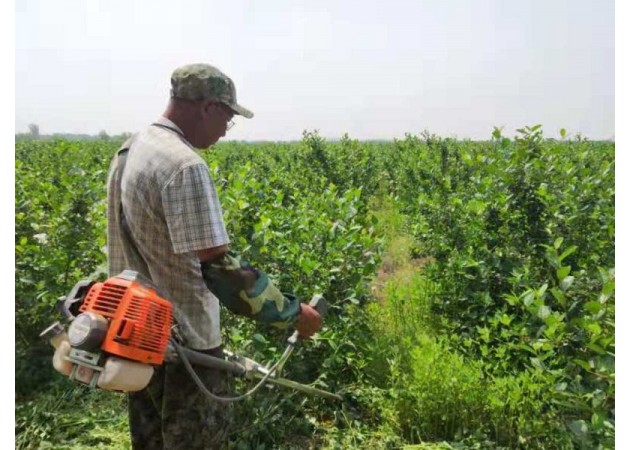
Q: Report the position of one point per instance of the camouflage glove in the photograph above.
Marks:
(249, 292)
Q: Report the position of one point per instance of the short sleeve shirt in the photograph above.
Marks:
(172, 210)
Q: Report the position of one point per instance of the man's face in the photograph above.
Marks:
(217, 115)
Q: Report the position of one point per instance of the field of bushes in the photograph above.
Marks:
(470, 289)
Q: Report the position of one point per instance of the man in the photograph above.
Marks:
(165, 221)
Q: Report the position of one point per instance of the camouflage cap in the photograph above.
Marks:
(205, 82)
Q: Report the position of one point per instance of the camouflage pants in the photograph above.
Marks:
(172, 413)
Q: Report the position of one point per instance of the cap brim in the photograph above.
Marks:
(238, 109)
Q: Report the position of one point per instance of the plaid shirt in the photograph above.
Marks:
(172, 210)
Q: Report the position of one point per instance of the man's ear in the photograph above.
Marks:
(208, 107)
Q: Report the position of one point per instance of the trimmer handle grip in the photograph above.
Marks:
(318, 303)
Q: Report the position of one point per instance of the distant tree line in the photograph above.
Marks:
(33, 133)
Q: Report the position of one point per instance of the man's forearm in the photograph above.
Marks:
(248, 291)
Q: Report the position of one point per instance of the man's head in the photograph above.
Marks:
(203, 102)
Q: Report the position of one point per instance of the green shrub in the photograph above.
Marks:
(443, 397)
(471, 288)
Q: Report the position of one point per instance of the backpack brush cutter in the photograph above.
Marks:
(121, 329)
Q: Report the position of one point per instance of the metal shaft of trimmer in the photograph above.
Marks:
(245, 367)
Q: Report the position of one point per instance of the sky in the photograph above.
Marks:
(372, 69)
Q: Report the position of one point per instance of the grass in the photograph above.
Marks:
(68, 416)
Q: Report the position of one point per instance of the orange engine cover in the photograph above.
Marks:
(139, 319)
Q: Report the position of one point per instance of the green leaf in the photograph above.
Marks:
(552, 321)
(596, 348)
(593, 307)
(505, 319)
(583, 364)
(579, 427)
(511, 299)
(543, 312)
(597, 419)
(476, 206)
(563, 132)
(526, 347)
(604, 342)
(609, 287)
(542, 290)
(259, 338)
(603, 298)
(566, 283)
(567, 252)
(562, 272)
(594, 328)
(484, 333)
(537, 363)
(557, 243)
(559, 296)
(528, 298)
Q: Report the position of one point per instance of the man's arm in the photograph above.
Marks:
(212, 253)
(194, 219)
(248, 291)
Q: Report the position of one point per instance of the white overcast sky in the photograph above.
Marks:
(373, 69)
